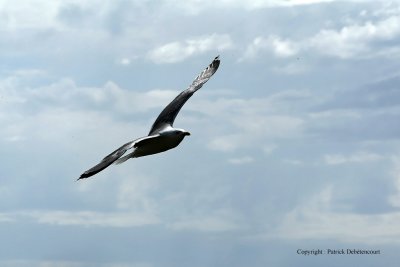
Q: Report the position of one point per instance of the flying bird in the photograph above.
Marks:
(162, 136)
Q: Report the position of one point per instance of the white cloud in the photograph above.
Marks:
(269, 148)
(83, 218)
(226, 143)
(125, 61)
(247, 121)
(359, 157)
(42, 112)
(303, 2)
(251, 122)
(256, 131)
(293, 162)
(274, 44)
(68, 95)
(29, 14)
(6, 218)
(193, 6)
(240, 161)
(351, 41)
(355, 40)
(394, 199)
(37, 14)
(315, 220)
(293, 68)
(134, 195)
(220, 221)
(64, 263)
(269, 126)
(204, 224)
(180, 50)
(327, 115)
(44, 263)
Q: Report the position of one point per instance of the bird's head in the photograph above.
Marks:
(183, 132)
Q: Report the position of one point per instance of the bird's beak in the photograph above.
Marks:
(187, 133)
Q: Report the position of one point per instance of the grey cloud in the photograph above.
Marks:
(73, 15)
(377, 95)
(368, 112)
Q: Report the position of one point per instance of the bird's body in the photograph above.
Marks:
(162, 136)
(165, 140)
(157, 144)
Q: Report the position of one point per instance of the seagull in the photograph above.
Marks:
(162, 136)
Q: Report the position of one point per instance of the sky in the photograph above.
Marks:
(294, 141)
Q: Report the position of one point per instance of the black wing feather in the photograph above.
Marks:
(168, 115)
(107, 161)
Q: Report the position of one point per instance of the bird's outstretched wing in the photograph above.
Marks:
(139, 142)
(108, 160)
(168, 115)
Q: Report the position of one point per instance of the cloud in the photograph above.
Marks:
(295, 162)
(296, 68)
(5, 218)
(359, 157)
(348, 113)
(205, 224)
(256, 131)
(125, 61)
(274, 44)
(64, 263)
(315, 220)
(65, 94)
(181, 50)
(240, 161)
(356, 40)
(83, 218)
(62, 109)
(56, 14)
(226, 143)
(377, 95)
(394, 199)
(48, 114)
(193, 7)
(29, 14)
(373, 38)
(303, 2)
(252, 122)
(135, 195)
(49, 14)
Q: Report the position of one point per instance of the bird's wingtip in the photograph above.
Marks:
(83, 176)
(215, 63)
